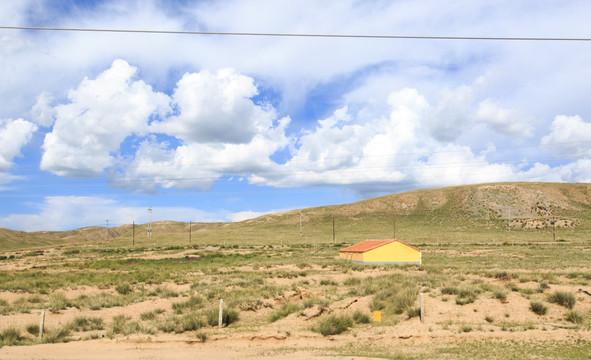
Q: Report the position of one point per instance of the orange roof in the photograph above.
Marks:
(368, 245)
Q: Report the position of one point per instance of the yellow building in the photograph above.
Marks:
(377, 252)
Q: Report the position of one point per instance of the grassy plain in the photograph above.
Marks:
(478, 299)
(489, 293)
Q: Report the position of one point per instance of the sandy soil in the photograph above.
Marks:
(291, 337)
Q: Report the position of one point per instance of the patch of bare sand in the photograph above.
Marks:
(147, 348)
(269, 345)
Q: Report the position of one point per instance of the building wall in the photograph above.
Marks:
(351, 256)
(395, 252)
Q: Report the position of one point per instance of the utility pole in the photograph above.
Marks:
(107, 230)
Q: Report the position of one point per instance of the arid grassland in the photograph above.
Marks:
(489, 293)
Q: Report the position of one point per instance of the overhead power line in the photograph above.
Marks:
(301, 35)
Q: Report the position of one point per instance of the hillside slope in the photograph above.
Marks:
(468, 212)
(497, 201)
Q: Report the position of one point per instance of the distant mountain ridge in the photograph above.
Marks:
(478, 202)
(528, 205)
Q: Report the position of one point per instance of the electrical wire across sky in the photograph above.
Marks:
(304, 35)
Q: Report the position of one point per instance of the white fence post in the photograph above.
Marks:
(422, 308)
(42, 325)
(221, 313)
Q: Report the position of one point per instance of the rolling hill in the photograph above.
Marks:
(470, 213)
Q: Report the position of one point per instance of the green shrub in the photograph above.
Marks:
(194, 322)
(151, 315)
(35, 299)
(124, 325)
(563, 298)
(180, 324)
(33, 329)
(465, 328)
(538, 307)
(503, 275)
(312, 301)
(449, 290)
(201, 336)
(85, 323)
(413, 311)
(500, 294)
(334, 324)
(543, 286)
(575, 317)
(246, 304)
(104, 300)
(22, 306)
(466, 296)
(360, 317)
(513, 287)
(192, 304)
(327, 282)
(363, 287)
(405, 298)
(57, 335)
(58, 301)
(352, 281)
(229, 316)
(164, 292)
(283, 311)
(376, 304)
(10, 336)
(123, 289)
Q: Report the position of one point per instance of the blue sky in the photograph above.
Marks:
(97, 126)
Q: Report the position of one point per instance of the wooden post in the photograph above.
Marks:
(42, 325)
(221, 313)
(422, 308)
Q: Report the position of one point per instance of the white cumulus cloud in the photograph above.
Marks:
(100, 114)
(504, 121)
(571, 134)
(215, 108)
(14, 134)
(42, 112)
